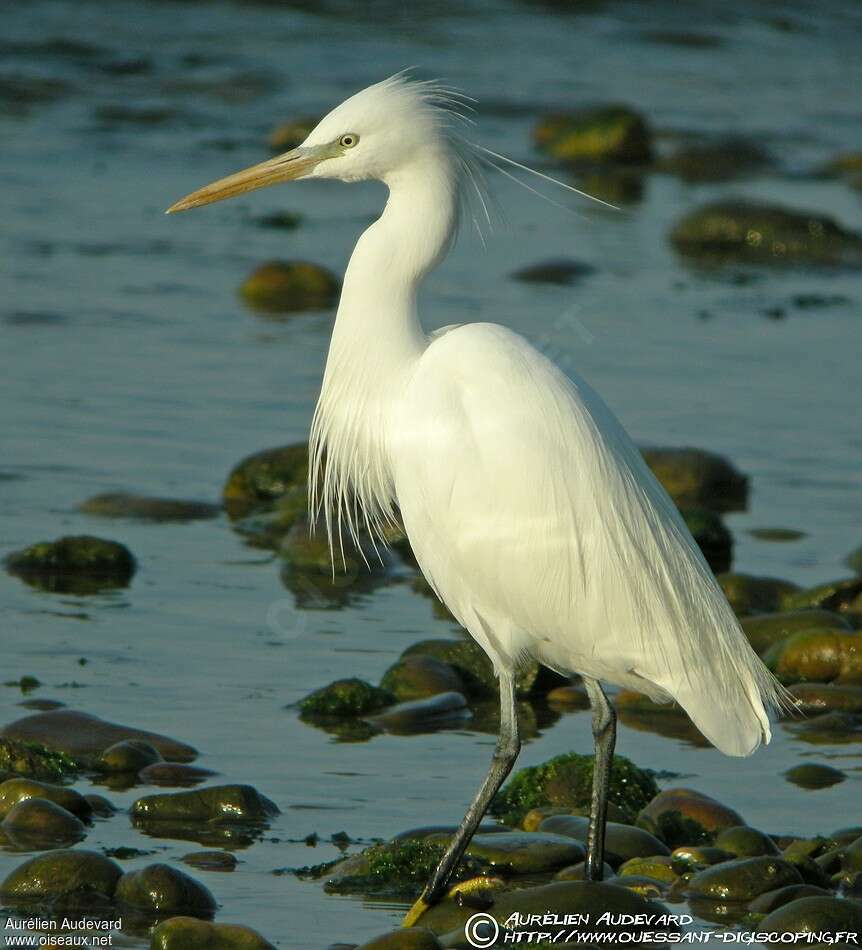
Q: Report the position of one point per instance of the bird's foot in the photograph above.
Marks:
(415, 912)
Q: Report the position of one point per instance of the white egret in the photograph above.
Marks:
(530, 511)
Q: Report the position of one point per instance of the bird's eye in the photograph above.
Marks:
(348, 140)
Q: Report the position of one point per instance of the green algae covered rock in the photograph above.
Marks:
(767, 630)
(76, 564)
(262, 478)
(742, 879)
(749, 594)
(17, 790)
(695, 478)
(683, 816)
(622, 842)
(190, 933)
(523, 852)
(35, 824)
(566, 780)
(813, 775)
(345, 699)
(822, 697)
(815, 915)
(607, 134)
(818, 656)
(842, 596)
(145, 508)
(744, 842)
(711, 535)
(764, 234)
(279, 287)
(61, 874)
(32, 760)
(220, 803)
(161, 889)
(419, 676)
(128, 755)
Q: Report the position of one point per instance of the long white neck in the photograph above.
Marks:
(376, 342)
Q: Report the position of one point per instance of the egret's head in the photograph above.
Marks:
(372, 135)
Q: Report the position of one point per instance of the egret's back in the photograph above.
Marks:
(535, 518)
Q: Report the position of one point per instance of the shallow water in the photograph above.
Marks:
(128, 363)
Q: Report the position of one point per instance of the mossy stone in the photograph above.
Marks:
(17, 790)
(815, 915)
(820, 697)
(748, 594)
(36, 822)
(818, 656)
(420, 715)
(279, 287)
(742, 879)
(102, 808)
(711, 535)
(772, 900)
(764, 234)
(174, 774)
(524, 852)
(60, 874)
(567, 780)
(416, 677)
(345, 699)
(33, 760)
(695, 478)
(721, 160)
(854, 560)
(699, 856)
(658, 868)
(767, 630)
(211, 860)
(222, 803)
(622, 842)
(189, 933)
(744, 842)
(852, 858)
(262, 478)
(75, 564)
(613, 133)
(841, 596)
(128, 755)
(682, 816)
(146, 508)
(813, 775)
(162, 889)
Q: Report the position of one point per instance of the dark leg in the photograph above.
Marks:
(604, 739)
(508, 747)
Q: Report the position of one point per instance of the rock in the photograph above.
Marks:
(396, 869)
(174, 775)
(622, 842)
(62, 874)
(815, 915)
(854, 560)
(85, 737)
(33, 760)
(658, 868)
(569, 697)
(566, 780)
(744, 842)
(764, 234)
(260, 479)
(606, 134)
(290, 287)
(36, 823)
(289, 135)
(78, 564)
(665, 719)
(412, 939)
(162, 889)
(128, 755)
(102, 808)
(776, 535)
(307, 553)
(267, 528)
(279, 220)
(211, 860)
(523, 852)
(189, 933)
(475, 669)
(814, 775)
(344, 699)
(416, 677)
(683, 816)
(766, 630)
(721, 160)
(772, 900)
(748, 594)
(17, 790)
(693, 857)
(711, 535)
(742, 879)
(535, 816)
(818, 697)
(695, 478)
(222, 803)
(420, 715)
(577, 872)
(434, 831)
(852, 859)
(556, 271)
(606, 905)
(145, 508)
(842, 596)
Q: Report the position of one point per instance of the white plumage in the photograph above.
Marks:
(529, 509)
